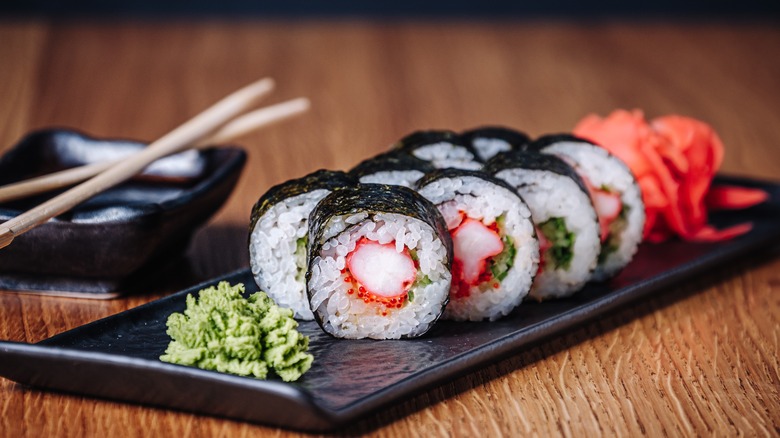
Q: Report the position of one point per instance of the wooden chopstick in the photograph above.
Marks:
(235, 128)
(255, 120)
(180, 138)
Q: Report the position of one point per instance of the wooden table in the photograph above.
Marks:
(703, 359)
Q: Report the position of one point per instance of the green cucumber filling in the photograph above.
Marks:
(616, 228)
(561, 240)
(421, 280)
(501, 263)
(300, 258)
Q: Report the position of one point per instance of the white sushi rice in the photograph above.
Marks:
(443, 155)
(488, 148)
(405, 178)
(550, 195)
(277, 269)
(484, 201)
(345, 315)
(605, 170)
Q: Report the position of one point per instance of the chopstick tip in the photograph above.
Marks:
(304, 102)
(295, 106)
(265, 84)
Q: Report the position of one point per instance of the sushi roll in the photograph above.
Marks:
(615, 195)
(395, 168)
(566, 222)
(442, 149)
(278, 233)
(379, 263)
(496, 253)
(489, 141)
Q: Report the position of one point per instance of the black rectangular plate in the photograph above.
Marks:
(117, 357)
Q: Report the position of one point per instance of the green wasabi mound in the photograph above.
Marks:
(223, 331)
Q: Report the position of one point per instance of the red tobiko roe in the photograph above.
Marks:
(674, 159)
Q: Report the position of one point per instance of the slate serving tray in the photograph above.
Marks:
(116, 357)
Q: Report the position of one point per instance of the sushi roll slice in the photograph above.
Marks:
(489, 141)
(443, 149)
(566, 222)
(496, 253)
(278, 234)
(379, 263)
(615, 195)
(394, 168)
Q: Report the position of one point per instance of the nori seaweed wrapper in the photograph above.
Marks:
(320, 179)
(420, 139)
(372, 199)
(545, 141)
(519, 159)
(458, 173)
(514, 138)
(389, 161)
(550, 139)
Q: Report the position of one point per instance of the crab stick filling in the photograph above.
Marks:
(544, 246)
(608, 206)
(474, 243)
(379, 273)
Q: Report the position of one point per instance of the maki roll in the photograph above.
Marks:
(395, 168)
(442, 149)
(566, 223)
(489, 141)
(496, 253)
(379, 263)
(614, 192)
(278, 234)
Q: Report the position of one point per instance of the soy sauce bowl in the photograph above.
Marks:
(100, 248)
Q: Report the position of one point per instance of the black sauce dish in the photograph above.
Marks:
(99, 248)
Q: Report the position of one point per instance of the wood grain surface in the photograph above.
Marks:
(701, 359)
